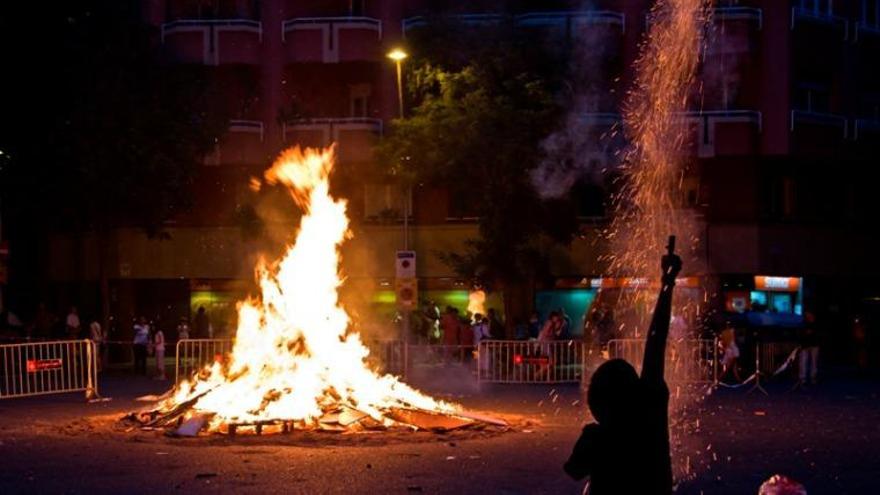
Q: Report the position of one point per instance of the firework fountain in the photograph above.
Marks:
(650, 203)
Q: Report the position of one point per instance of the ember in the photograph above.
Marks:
(298, 364)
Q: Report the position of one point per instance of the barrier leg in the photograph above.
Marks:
(757, 386)
(91, 372)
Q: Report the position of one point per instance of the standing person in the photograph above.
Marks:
(449, 327)
(466, 336)
(183, 329)
(808, 355)
(606, 328)
(159, 349)
(72, 324)
(201, 324)
(44, 320)
(627, 449)
(534, 325)
(564, 325)
(496, 327)
(480, 329)
(552, 328)
(140, 342)
(96, 334)
(727, 342)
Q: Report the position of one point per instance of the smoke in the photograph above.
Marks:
(580, 148)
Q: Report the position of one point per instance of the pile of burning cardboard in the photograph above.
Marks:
(185, 421)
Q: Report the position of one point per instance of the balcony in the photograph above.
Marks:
(724, 132)
(819, 17)
(864, 29)
(331, 40)
(573, 19)
(739, 14)
(214, 41)
(867, 129)
(466, 19)
(355, 136)
(807, 119)
(556, 19)
(242, 144)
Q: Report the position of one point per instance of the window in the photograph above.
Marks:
(818, 7)
(871, 13)
(359, 100)
(812, 97)
(385, 202)
(357, 8)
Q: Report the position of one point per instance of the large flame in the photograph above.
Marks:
(295, 355)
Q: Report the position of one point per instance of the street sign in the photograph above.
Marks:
(405, 264)
(407, 291)
(35, 365)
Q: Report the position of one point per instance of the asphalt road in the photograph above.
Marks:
(827, 438)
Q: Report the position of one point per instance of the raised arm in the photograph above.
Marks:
(655, 345)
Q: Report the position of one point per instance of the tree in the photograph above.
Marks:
(101, 132)
(476, 127)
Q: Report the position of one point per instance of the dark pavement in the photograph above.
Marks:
(826, 437)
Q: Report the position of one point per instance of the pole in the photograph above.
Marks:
(407, 194)
(399, 89)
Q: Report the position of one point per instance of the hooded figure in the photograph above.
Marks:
(627, 449)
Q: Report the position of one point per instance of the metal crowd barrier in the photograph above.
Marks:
(687, 361)
(389, 356)
(194, 354)
(773, 355)
(517, 361)
(53, 367)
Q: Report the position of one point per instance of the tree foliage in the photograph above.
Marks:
(476, 124)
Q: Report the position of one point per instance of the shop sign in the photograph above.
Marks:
(783, 284)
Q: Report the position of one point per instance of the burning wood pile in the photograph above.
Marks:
(297, 364)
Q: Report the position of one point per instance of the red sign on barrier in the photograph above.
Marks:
(519, 359)
(35, 365)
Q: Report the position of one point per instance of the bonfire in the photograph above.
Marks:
(297, 363)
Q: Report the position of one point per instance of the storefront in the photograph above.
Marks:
(765, 300)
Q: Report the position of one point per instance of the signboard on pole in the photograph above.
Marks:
(405, 264)
(407, 292)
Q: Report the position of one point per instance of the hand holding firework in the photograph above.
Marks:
(670, 264)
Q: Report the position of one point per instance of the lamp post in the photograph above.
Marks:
(398, 55)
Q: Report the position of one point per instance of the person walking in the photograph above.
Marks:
(140, 342)
(808, 355)
(96, 334)
(159, 351)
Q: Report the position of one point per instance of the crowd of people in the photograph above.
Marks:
(143, 339)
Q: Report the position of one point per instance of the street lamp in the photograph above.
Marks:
(398, 55)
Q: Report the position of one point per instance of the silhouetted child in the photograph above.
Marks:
(627, 450)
